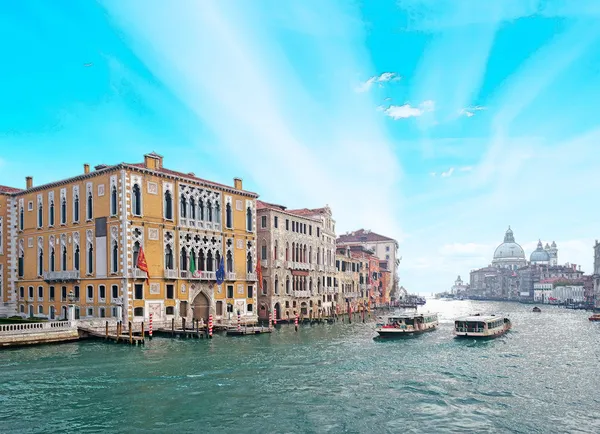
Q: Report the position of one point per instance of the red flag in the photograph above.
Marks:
(142, 264)
(259, 274)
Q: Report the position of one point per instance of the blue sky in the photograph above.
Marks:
(436, 122)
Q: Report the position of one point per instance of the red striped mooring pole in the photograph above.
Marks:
(270, 320)
(296, 322)
(210, 326)
(150, 327)
(239, 327)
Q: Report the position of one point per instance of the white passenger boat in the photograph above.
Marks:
(478, 326)
(406, 324)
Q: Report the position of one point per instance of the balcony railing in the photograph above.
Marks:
(60, 276)
(302, 294)
(264, 262)
(277, 263)
(288, 264)
(198, 275)
(139, 274)
(171, 274)
(230, 276)
(363, 286)
(321, 268)
(250, 276)
(312, 267)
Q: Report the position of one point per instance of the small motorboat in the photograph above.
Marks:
(537, 309)
(595, 317)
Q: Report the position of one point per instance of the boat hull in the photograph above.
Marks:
(397, 333)
(471, 335)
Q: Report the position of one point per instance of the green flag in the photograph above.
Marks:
(192, 264)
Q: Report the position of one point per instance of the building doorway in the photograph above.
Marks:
(201, 307)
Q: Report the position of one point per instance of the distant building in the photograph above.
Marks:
(509, 254)
(596, 275)
(459, 287)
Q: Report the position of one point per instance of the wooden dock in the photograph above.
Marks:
(122, 338)
(244, 331)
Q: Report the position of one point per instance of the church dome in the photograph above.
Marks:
(509, 249)
(539, 254)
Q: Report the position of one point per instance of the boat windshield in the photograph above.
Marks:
(469, 326)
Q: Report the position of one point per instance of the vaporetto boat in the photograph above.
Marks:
(481, 326)
(403, 324)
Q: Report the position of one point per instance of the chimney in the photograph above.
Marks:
(29, 182)
(237, 183)
(86, 169)
(153, 161)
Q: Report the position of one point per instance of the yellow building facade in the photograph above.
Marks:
(79, 240)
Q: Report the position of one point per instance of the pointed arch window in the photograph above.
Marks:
(21, 218)
(113, 200)
(276, 244)
(90, 258)
(115, 257)
(183, 207)
(287, 285)
(229, 262)
(168, 258)
(40, 216)
(217, 213)
(168, 205)
(210, 262)
(228, 215)
(249, 219)
(136, 199)
(63, 211)
(76, 258)
(75, 209)
(183, 260)
(51, 213)
(64, 258)
(249, 262)
(287, 251)
(136, 253)
(276, 287)
(200, 209)
(21, 264)
(40, 262)
(217, 260)
(192, 208)
(52, 259)
(209, 211)
(90, 206)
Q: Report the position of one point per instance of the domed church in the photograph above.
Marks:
(544, 255)
(509, 254)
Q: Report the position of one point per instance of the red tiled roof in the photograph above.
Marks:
(361, 236)
(266, 205)
(184, 175)
(7, 189)
(307, 212)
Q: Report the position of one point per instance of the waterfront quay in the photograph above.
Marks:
(330, 378)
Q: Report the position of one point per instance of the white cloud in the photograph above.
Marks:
(382, 78)
(448, 173)
(470, 111)
(407, 111)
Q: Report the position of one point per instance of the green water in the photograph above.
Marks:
(541, 377)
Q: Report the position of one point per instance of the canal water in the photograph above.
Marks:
(542, 377)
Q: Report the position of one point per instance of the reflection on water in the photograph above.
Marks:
(540, 377)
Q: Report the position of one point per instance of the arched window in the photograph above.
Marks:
(90, 206)
(115, 257)
(63, 210)
(192, 208)
(249, 219)
(51, 213)
(293, 252)
(113, 200)
(217, 213)
(168, 258)
(210, 261)
(310, 254)
(76, 258)
(90, 258)
(64, 258)
(183, 207)
(310, 286)
(200, 209)
(287, 251)
(304, 254)
(229, 262)
(287, 285)
(275, 250)
(52, 260)
(228, 215)
(249, 263)
(40, 215)
(75, 209)
(217, 260)
(183, 260)
(168, 205)
(276, 287)
(136, 199)
(201, 261)
(40, 262)
(136, 253)
(209, 211)
(264, 287)
(21, 219)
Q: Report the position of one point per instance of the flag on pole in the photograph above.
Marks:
(221, 272)
(192, 264)
(259, 275)
(142, 264)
